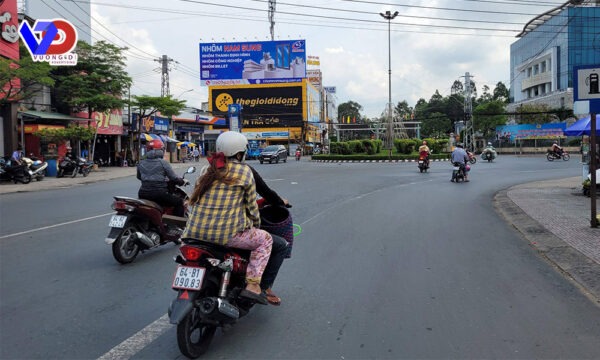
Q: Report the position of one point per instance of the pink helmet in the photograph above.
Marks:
(468, 167)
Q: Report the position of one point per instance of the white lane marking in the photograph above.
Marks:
(139, 340)
(294, 183)
(55, 225)
(273, 179)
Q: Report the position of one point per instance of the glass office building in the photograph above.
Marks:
(542, 60)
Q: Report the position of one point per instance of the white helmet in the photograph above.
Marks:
(231, 143)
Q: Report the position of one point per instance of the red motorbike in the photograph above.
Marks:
(472, 158)
(141, 225)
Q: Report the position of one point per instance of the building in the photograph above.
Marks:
(78, 13)
(550, 45)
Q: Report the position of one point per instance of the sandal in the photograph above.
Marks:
(258, 298)
(272, 298)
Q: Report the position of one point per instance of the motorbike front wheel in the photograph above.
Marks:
(550, 157)
(85, 172)
(566, 157)
(61, 173)
(74, 172)
(124, 248)
(473, 160)
(193, 337)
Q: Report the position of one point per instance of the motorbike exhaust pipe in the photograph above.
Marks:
(144, 239)
(218, 309)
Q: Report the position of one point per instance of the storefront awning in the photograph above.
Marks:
(37, 115)
(163, 138)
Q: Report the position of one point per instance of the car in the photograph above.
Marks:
(273, 153)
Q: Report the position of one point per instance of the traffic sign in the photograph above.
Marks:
(586, 89)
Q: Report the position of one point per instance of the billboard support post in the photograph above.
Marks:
(593, 163)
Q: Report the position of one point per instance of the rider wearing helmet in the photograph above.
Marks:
(224, 211)
(152, 171)
(424, 151)
(459, 158)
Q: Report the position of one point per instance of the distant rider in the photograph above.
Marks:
(153, 171)
(424, 151)
(557, 149)
(459, 158)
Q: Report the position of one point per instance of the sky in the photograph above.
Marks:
(353, 59)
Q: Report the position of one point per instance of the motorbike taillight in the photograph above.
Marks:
(121, 206)
(190, 253)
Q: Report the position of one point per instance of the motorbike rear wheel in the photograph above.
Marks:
(550, 157)
(566, 157)
(124, 248)
(74, 172)
(473, 160)
(193, 337)
(85, 172)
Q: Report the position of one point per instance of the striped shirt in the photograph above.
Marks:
(225, 210)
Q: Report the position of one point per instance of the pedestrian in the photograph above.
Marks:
(17, 155)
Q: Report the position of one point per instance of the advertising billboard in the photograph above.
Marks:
(314, 77)
(531, 131)
(261, 62)
(9, 34)
(151, 124)
(276, 105)
(313, 104)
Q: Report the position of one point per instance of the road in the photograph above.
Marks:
(390, 263)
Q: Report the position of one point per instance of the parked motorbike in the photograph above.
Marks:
(208, 280)
(423, 163)
(551, 155)
(472, 158)
(69, 166)
(37, 167)
(15, 173)
(141, 225)
(460, 172)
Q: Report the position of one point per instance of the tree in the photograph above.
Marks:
(501, 92)
(533, 114)
(31, 75)
(98, 82)
(485, 96)
(146, 106)
(457, 87)
(487, 116)
(437, 125)
(403, 110)
(349, 108)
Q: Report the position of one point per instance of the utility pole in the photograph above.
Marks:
(272, 18)
(390, 128)
(164, 78)
(469, 131)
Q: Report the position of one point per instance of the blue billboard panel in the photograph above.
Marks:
(531, 131)
(261, 62)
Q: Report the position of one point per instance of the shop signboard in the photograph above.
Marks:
(315, 78)
(191, 128)
(275, 105)
(531, 131)
(9, 30)
(152, 124)
(107, 123)
(266, 134)
(313, 104)
(330, 89)
(259, 62)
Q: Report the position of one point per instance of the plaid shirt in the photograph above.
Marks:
(225, 210)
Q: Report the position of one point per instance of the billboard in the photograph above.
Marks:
(531, 131)
(276, 105)
(314, 77)
(261, 62)
(9, 34)
(330, 89)
(151, 124)
(313, 104)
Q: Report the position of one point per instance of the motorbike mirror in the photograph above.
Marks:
(191, 170)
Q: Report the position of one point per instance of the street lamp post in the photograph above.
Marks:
(390, 129)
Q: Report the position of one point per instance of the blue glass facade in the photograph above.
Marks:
(575, 32)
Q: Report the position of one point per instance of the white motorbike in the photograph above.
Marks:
(37, 167)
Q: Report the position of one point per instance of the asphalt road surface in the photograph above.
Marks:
(390, 263)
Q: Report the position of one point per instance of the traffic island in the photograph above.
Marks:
(553, 216)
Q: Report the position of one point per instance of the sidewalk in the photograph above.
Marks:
(101, 174)
(554, 217)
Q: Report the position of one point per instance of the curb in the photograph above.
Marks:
(577, 267)
(372, 161)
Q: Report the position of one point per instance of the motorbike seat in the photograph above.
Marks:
(142, 202)
(217, 249)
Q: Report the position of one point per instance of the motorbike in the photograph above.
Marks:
(472, 158)
(74, 166)
(298, 155)
(208, 280)
(15, 173)
(141, 225)
(551, 155)
(423, 163)
(488, 154)
(460, 172)
(36, 166)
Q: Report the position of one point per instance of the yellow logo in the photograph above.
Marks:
(223, 101)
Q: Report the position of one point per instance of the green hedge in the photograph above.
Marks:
(377, 157)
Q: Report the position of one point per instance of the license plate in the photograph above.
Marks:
(455, 168)
(117, 221)
(188, 277)
(420, 162)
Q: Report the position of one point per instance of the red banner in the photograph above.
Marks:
(108, 123)
(9, 30)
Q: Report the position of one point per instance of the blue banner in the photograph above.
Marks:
(152, 124)
(262, 62)
(531, 131)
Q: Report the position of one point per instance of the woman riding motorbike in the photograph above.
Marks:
(224, 210)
